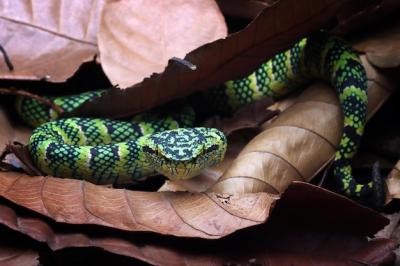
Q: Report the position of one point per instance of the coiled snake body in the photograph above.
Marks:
(107, 151)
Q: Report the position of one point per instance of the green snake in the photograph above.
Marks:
(110, 151)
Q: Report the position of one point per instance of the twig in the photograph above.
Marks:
(184, 62)
(6, 58)
(23, 93)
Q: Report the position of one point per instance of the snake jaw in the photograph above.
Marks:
(184, 153)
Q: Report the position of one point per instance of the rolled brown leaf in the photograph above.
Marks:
(299, 143)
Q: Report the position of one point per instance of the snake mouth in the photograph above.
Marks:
(184, 169)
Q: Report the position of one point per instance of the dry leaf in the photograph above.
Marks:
(16, 249)
(393, 184)
(299, 143)
(137, 38)
(244, 8)
(47, 39)
(382, 46)
(249, 116)
(290, 236)
(363, 14)
(10, 131)
(203, 215)
(240, 53)
(391, 227)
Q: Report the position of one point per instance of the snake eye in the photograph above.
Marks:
(150, 150)
(211, 149)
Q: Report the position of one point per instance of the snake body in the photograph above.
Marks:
(107, 151)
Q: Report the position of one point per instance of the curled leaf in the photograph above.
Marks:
(299, 143)
(206, 215)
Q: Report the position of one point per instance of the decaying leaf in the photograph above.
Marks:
(274, 30)
(47, 39)
(290, 236)
(206, 215)
(137, 38)
(299, 143)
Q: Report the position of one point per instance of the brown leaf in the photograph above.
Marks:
(382, 46)
(16, 249)
(137, 38)
(11, 131)
(249, 116)
(244, 8)
(47, 39)
(240, 53)
(24, 158)
(203, 215)
(393, 184)
(290, 236)
(389, 229)
(299, 143)
(363, 14)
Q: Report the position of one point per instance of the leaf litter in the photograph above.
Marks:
(219, 211)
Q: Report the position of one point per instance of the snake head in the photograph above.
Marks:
(183, 153)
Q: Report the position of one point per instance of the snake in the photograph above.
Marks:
(113, 151)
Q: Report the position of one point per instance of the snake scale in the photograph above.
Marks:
(109, 151)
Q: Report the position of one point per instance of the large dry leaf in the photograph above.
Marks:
(203, 215)
(137, 38)
(272, 31)
(292, 232)
(299, 143)
(47, 39)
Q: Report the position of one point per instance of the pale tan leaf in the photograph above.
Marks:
(299, 143)
(48, 39)
(137, 38)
